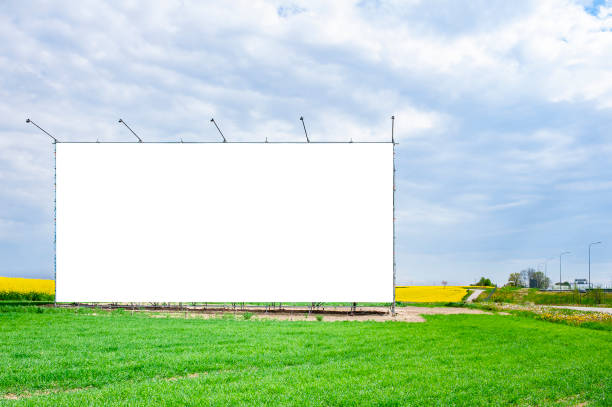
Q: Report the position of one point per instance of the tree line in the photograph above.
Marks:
(529, 278)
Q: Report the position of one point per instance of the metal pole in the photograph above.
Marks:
(394, 266)
(546, 267)
(560, 255)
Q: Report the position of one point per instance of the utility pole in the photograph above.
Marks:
(561, 255)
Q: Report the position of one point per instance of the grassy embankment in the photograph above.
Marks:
(63, 357)
(534, 296)
(533, 303)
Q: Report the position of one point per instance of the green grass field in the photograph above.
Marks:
(68, 358)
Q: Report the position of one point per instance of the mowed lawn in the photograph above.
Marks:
(64, 358)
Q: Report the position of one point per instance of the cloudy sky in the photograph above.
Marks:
(504, 111)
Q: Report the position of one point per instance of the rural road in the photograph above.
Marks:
(592, 309)
(474, 295)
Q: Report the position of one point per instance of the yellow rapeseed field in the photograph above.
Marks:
(26, 285)
(429, 293)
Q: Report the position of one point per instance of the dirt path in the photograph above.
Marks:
(474, 295)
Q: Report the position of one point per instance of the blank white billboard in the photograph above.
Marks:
(269, 222)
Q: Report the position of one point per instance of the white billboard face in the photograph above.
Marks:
(156, 222)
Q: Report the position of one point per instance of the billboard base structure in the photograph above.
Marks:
(55, 172)
(207, 308)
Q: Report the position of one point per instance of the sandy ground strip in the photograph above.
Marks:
(403, 314)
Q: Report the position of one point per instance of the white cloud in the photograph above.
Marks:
(496, 103)
(420, 213)
(586, 186)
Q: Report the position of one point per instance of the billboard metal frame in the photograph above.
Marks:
(216, 142)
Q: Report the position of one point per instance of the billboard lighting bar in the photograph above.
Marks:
(43, 130)
(55, 140)
(215, 123)
(125, 124)
(305, 132)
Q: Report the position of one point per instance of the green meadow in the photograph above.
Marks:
(57, 357)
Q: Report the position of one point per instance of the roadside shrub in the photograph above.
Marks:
(599, 296)
(319, 317)
(505, 294)
(247, 315)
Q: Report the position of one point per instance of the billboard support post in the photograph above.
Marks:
(393, 142)
(55, 223)
(55, 141)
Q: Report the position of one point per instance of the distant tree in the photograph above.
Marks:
(444, 282)
(483, 282)
(525, 276)
(538, 279)
(515, 280)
